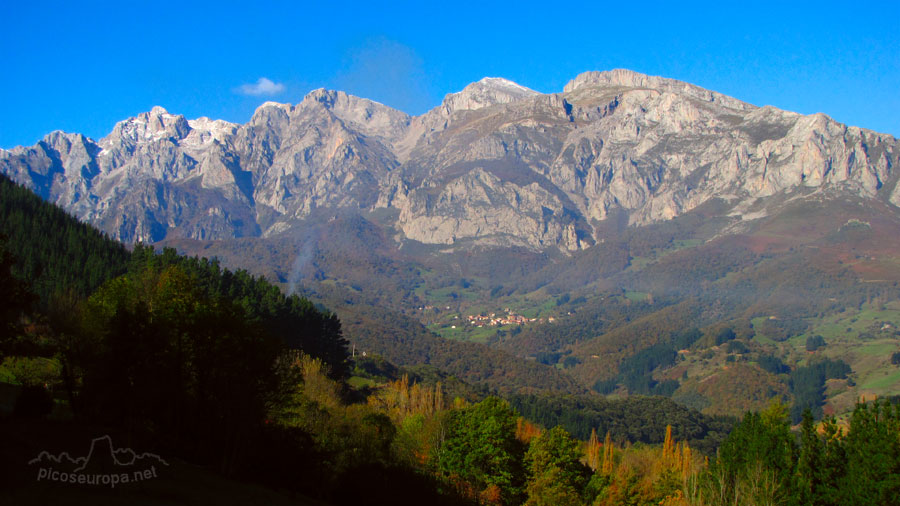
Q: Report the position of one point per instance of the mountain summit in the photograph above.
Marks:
(485, 93)
(495, 165)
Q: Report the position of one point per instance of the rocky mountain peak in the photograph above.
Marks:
(58, 138)
(149, 126)
(269, 104)
(484, 93)
(501, 83)
(271, 116)
(369, 117)
(204, 130)
(270, 108)
(323, 96)
(624, 78)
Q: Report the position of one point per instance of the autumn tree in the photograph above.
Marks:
(592, 452)
(414, 409)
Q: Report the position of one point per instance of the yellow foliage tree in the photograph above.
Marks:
(607, 466)
(401, 400)
(526, 431)
(593, 451)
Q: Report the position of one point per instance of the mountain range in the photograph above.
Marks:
(632, 209)
(496, 164)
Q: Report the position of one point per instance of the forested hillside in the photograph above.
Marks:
(54, 252)
(608, 318)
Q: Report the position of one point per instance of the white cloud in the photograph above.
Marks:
(263, 86)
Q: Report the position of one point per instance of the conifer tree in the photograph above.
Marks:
(808, 484)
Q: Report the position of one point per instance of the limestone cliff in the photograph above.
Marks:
(496, 164)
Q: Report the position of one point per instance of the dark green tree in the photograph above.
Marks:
(15, 300)
(725, 335)
(761, 449)
(813, 343)
(809, 477)
(55, 252)
(808, 385)
(295, 321)
(872, 449)
(556, 474)
(480, 449)
(162, 358)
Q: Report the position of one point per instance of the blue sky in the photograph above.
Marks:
(82, 66)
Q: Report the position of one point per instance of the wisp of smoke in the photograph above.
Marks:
(302, 261)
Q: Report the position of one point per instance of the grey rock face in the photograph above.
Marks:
(479, 205)
(495, 164)
(485, 93)
(629, 79)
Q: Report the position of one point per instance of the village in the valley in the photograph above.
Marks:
(480, 320)
(510, 318)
